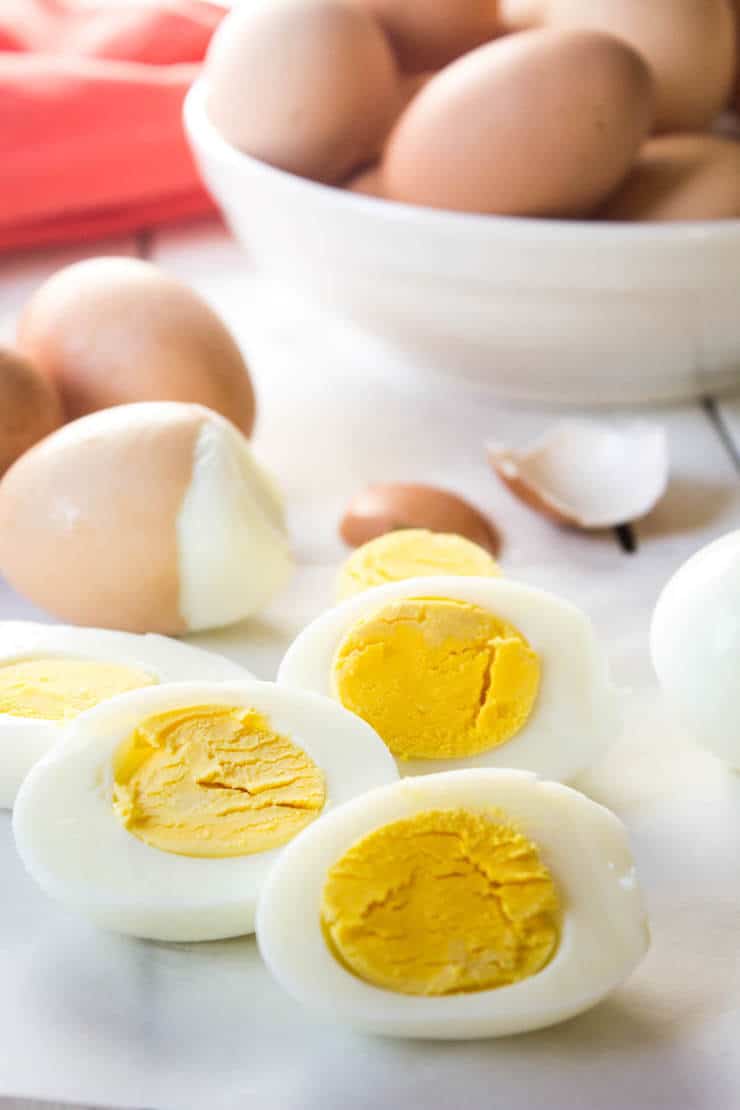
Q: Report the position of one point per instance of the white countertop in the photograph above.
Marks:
(104, 1020)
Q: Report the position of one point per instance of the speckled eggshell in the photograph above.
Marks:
(688, 44)
(113, 331)
(29, 407)
(429, 33)
(310, 86)
(681, 177)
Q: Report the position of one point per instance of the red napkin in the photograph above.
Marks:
(91, 139)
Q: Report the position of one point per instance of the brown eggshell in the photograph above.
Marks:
(688, 44)
(542, 123)
(427, 34)
(390, 506)
(368, 182)
(521, 15)
(310, 86)
(111, 331)
(29, 407)
(681, 177)
(88, 518)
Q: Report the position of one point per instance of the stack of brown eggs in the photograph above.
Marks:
(562, 108)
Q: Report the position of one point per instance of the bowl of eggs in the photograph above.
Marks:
(529, 195)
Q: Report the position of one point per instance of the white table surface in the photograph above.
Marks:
(98, 1019)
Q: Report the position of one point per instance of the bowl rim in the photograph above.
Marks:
(203, 133)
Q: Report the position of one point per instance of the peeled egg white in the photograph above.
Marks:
(24, 740)
(604, 930)
(695, 644)
(74, 845)
(577, 713)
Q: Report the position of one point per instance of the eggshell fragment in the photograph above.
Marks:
(680, 177)
(29, 407)
(112, 331)
(430, 33)
(146, 518)
(543, 123)
(586, 475)
(310, 86)
(389, 506)
(688, 44)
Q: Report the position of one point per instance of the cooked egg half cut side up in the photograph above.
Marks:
(49, 674)
(465, 904)
(456, 672)
(162, 812)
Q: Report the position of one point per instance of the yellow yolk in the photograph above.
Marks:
(443, 902)
(437, 678)
(214, 781)
(58, 689)
(412, 553)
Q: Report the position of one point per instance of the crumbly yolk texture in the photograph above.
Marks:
(412, 553)
(59, 689)
(444, 902)
(437, 678)
(214, 781)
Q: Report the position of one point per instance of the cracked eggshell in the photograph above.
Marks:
(153, 517)
(578, 711)
(587, 475)
(391, 506)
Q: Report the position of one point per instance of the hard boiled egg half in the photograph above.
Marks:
(467, 904)
(163, 810)
(51, 674)
(456, 672)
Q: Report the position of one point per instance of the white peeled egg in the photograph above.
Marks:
(78, 850)
(577, 713)
(25, 739)
(695, 644)
(603, 929)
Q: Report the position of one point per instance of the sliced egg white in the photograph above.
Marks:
(577, 712)
(25, 740)
(74, 845)
(604, 932)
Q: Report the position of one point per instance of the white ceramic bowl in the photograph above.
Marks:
(545, 310)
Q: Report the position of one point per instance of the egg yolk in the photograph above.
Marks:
(437, 678)
(57, 689)
(444, 902)
(214, 781)
(412, 553)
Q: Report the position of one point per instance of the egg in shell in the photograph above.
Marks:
(113, 331)
(464, 672)
(30, 407)
(470, 904)
(49, 674)
(146, 518)
(430, 33)
(162, 812)
(695, 644)
(309, 86)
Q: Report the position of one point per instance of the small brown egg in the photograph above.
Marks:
(680, 177)
(112, 331)
(542, 123)
(390, 506)
(688, 44)
(429, 33)
(310, 86)
(152, 517)
(29, 407)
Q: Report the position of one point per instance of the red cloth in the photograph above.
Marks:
(91, 138)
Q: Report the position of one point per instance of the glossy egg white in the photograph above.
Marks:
(577, 713)
(695, 644)
(604, 929)
(23, 740)
(74, 845)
